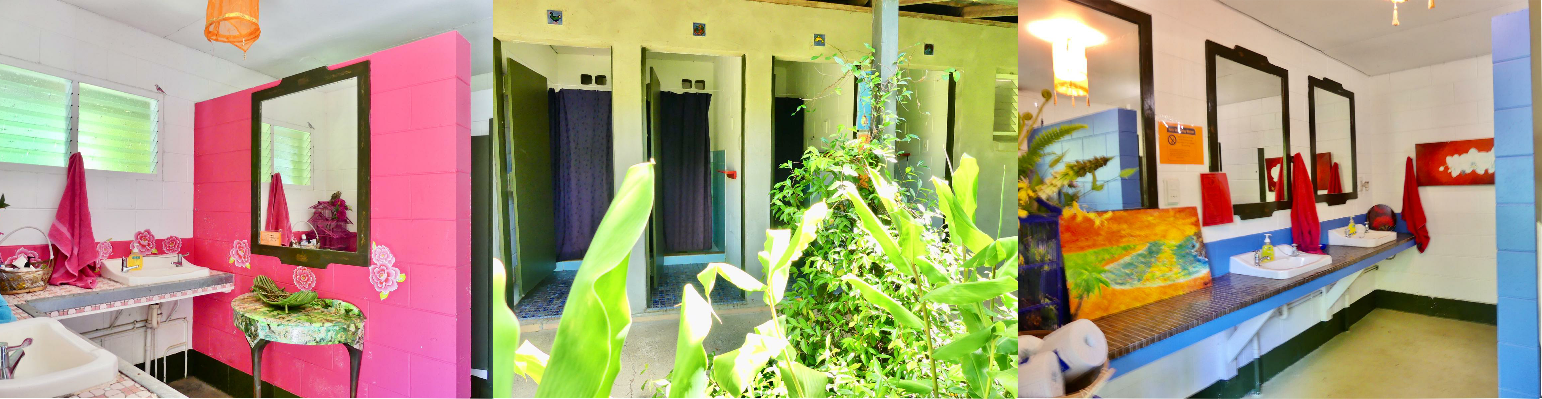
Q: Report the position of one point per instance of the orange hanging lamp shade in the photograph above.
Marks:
(1070, 39)
(232, 21)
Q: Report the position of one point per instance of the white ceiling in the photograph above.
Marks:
(299, 35)
(1360, 32)
(1113, 73)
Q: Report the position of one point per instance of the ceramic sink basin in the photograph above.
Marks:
(158, 269)
(1282, 267)
(1364, 238)
(57, 363)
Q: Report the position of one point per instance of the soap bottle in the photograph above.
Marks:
(1266, 254)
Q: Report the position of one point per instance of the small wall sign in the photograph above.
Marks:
(554, 17)
(1180, 144)
(927, 49)
(698, 29)
(819, 40)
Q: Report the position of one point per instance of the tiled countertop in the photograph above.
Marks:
(61, 301)
(1137, 328)
(131, 383)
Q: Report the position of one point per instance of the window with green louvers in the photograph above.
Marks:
(111, 129)
(117, 130)
(288, 152)
(34, 117)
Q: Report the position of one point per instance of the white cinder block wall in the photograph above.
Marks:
(1445, 102)
(59, 39)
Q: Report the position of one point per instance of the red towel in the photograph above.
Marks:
(71, 234)
(1413, 208)
(1280, 184)
(1215, 196)
(1335, 183)
(1305, 229)
(278, 211)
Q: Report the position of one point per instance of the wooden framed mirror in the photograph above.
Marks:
(1249, 116)
(1334, 164)
(311, 134)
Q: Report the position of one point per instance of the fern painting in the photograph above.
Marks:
(1123, 259)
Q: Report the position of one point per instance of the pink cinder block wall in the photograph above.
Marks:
(418, 341)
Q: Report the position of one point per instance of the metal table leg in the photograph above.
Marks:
(354, 356)
(257, 348)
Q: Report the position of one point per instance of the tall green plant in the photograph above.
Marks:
(586, 353)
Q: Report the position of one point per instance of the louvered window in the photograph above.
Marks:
(112, 130)
(288, 152)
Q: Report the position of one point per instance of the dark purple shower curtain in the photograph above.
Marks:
(685, 171)
(581, 166)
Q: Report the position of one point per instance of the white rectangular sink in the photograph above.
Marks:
(58, 363)
(1282, 267)
(1364, 238)
(157, 269)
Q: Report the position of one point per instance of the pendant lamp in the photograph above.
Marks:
(1069, 40)
(232, 21)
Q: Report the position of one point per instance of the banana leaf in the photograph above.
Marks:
(689, 378)
(878, 298)
(597, 316)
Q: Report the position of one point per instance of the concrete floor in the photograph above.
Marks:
(649, 353)
(196, 388)
(1392, 354)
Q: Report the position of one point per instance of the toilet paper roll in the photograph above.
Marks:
(1041, 377)
(1080, 345)
(1027, 345)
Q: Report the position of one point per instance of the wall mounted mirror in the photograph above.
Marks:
(1118, 111)
(1249, 115)
(1332, 122)
(311, 168)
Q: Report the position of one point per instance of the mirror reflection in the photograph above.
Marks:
(1110, 113)
(1250, 130)
(1332, 165)
(310, 148)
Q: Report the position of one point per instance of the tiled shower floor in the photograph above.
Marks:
(551, 295)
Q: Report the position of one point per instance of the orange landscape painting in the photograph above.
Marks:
(1119, 260)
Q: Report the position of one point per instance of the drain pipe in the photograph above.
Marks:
(153, 322)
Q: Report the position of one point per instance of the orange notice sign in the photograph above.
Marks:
(1180, 144)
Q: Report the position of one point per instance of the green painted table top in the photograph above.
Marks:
(323, 322)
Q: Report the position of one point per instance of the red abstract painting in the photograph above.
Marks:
(1324, 168)
(1455, 163)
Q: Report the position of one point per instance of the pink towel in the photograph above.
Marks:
(278, 210)
(71, 233)
(1305, 229)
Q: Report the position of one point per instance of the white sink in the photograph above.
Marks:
(1283, 266)
(58, 363)
(1364, 238)
(157, 269)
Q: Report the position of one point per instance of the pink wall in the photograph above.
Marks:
(418, 340)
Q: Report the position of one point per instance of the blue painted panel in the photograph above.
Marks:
(1512, 83)
(1518, 369)
(1509, 36)
(1516, 231)
(1518, 321)
(719, 199)
(1517, 274)
(1512, 132)
(1109, 133)
(1146, 355)
(1513, 180)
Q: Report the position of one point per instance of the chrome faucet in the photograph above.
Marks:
(10, 356)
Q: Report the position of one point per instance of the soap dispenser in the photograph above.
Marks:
(1266, 254)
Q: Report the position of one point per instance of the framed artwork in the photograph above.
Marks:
(1119, 260)
(1455, 163)
(1273, 169)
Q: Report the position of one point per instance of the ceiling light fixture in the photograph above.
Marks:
(1069, 40)
(234, 22)
(1394, 10)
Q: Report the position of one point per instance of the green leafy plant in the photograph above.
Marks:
(1040, 172)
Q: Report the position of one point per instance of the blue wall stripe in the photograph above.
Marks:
(1514, 211)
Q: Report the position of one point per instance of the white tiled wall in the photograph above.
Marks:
(56, 38)
(1445, 102)
(59, 39)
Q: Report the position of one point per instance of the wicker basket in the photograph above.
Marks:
(1091, 383)
(24, 281)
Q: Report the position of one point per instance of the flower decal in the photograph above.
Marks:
(21, 254)
(103, 250)
(304, 278)
(241, 254)
(144, 242)
(172, 245)
(383, 273)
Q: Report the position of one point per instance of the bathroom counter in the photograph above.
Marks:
(63, 301)
(131, 383)
(1138, 328)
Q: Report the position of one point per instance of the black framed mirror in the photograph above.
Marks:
(1119, 111)
(1331, 124)
(1248, 107)
(311, 168)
